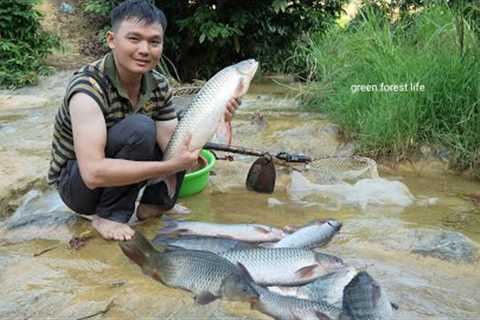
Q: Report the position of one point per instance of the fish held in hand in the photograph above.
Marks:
(205, 115)
(312, 235)
(207, 275)
(245, 232)
(284, 266)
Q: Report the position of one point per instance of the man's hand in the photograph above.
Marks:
(231, 107)
(187, 158)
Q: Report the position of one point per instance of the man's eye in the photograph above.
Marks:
(134, 39)
(156, 43)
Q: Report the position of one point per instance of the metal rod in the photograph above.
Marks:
(233, 149)
(285, 156)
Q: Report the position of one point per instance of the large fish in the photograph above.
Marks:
(364, 299)
(207, 275)
(244, 231)
(328, 288)
(211, 244)
(205, 114)
(284, 266)
(291, 308)
(313, 235)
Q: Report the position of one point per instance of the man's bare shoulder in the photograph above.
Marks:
(83, 104)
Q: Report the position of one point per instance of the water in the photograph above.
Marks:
(69, 283)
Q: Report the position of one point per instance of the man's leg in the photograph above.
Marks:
(133, 138)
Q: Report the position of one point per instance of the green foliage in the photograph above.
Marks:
(203, 36)
(99, 7)
(23, 44)
(423, 50)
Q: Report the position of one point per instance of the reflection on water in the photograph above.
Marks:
(382, 239)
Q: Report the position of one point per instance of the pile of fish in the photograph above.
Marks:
(280, 272)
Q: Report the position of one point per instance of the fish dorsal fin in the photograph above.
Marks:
(204, 297)
(244, 271)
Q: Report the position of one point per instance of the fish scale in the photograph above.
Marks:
(310, 236)
(264, 264)
(207, 275)
(195, 271)
(208, 106)
(364, 299)
(290, 308)
(212, 244)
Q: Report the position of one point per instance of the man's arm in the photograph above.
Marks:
(90, 137)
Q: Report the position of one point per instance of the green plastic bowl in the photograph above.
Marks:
(194, 182)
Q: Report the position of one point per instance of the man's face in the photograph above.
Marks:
(137, 46)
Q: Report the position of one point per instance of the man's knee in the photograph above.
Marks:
(143, 131)
(135, 138)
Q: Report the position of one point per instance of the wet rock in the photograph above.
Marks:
(258, 120)
(377, 192)
(272, 202)
(41, 216)
(446, 245)
(428, 202)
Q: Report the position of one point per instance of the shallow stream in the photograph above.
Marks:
(423, 252)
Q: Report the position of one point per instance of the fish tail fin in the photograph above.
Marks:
(138, 249)
(171, 183)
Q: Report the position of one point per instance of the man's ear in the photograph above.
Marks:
(110, 37)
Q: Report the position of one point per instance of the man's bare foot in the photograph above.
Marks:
(146, 211)
(112, 230)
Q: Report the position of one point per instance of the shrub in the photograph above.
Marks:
(23, 44)
(203, 36)
(423, 49)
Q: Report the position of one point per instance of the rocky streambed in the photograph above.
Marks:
(411, 227)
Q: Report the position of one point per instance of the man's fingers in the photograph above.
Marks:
(197, 151)
(188, 140)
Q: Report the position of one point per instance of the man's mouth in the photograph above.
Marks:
(141, 62)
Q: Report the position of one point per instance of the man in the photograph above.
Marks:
(116, 119)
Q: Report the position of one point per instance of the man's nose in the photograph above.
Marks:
(143, 47)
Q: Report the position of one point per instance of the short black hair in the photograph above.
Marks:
(142, 10)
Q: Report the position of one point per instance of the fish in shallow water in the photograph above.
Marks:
(364, 299)
(284, 266)
(312, 235)
(211, 244)
(328, 288)
(207, 275)
(206, 112)
(291, 308)
(244, 232)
